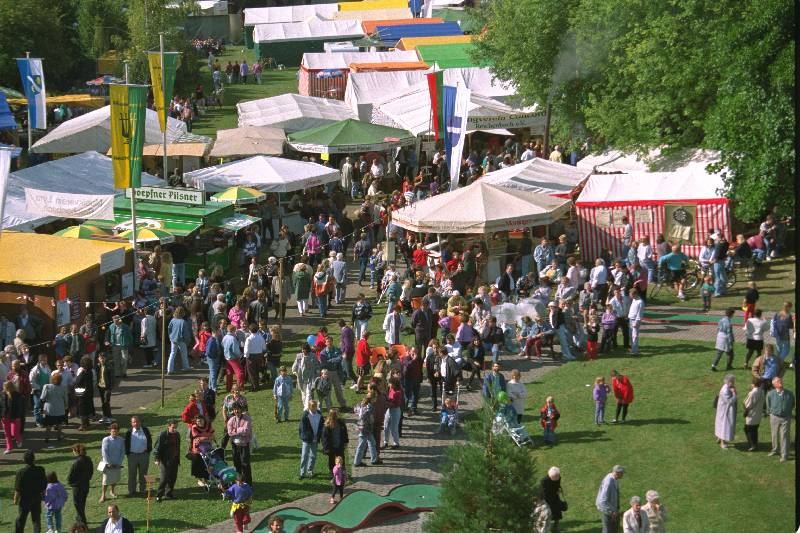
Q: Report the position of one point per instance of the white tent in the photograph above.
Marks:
(366, 88)
(480, 208)
(92, 131)
(249, 140)
(611, 161)
(539, 175)
(311, 30)
(213, 7)
(324, 61)
(277, 15)
(411, 111)
(340, 46)
(292, 112)
(396, 13)
(87, 173)
(267, 174)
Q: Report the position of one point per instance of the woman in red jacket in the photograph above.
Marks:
(196, 407)
(363, 356)
(623, 392)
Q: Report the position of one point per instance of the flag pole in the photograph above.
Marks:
(30, 132)
(163, 100)
(133, 213)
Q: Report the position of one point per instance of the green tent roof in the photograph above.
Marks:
(448, 55)
(349, 137)
(464, 19)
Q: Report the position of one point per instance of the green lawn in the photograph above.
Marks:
(775, 281)
(667, 444)
(274, 82)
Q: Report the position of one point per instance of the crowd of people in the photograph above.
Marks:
(586, 307)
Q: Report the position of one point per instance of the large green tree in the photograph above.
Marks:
(639, 74)
(102, 25)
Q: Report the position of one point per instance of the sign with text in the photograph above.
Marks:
(66, 205)
(111, 261)
(169, 195)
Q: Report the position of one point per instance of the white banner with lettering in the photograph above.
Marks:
(66, 205)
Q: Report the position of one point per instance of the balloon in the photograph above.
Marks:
(502, 397)
(311, 340)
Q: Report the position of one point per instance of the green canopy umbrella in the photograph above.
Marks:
(349, 136)
(149, 235)
(239, 195)
(84, 231)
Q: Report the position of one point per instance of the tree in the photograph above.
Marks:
(45, 29)
(488, 484)
(98, 22)
(679, 74)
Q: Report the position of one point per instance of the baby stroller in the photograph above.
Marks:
(220, 473)
(502, 423)
(449, 417)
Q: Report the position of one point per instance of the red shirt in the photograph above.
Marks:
(623, 389)
(420, 257)
(363, 353)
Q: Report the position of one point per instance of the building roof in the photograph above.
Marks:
(47, 260)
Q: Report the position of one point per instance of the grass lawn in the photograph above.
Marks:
(275, 469)
(775, 282)
(274, 82)
(667, 444)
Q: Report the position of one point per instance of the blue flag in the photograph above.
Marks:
(33, 82)
(455, 111)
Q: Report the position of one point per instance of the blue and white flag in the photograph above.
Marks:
(32, 74)
(455, 111)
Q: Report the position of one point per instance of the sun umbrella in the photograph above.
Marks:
(239, 195)
(349, 137)
(84, 231)
(149, 235)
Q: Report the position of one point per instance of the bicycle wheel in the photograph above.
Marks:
(731, 281)
(691, 281)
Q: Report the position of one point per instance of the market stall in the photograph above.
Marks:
(374, 14)
(287, 42)
(541, 176)
(324, 75)
(370, 26)
(389, 35)
(411, 43)
(249, 140)
(442, 56)
(54, 276)
(682, 206)
(254, 16)
(292, 112)
(349, 137)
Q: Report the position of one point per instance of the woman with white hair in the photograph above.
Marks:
(655, 511)
(552, 493)
(598, 278)
(635, 519)
(725, 422)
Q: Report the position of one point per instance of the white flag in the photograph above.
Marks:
(5, 167)
(457, 130)
(65, 205)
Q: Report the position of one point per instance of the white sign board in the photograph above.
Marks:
(127, 285)
(111, 261)
(643, 216)
(517, 120)
(66, 205)
(169, 195)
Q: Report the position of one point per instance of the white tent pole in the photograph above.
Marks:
(133, 215)
(164, 102)
(30, 132)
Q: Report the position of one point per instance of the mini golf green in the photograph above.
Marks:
(359, 507)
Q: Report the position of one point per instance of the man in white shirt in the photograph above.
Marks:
(376, 169)
(138, 445)
(645, 255)
(706, 254)
(635, 314)
(528, 154)
(621, 305)
(254, 349)
(598, 278)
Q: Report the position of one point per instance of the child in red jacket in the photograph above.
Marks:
(549, 416)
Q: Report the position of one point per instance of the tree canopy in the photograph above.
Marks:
(636, 75)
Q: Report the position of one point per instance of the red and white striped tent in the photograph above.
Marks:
(648, 198)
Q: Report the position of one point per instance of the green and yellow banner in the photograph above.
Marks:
(128, 108)
(172, 60)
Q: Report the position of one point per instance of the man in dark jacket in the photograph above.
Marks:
(138, 445)
(80, 475)
(412, 378)
(28, 493)
(120, 523)
(421, 321)
(310, 435)
(168, 458)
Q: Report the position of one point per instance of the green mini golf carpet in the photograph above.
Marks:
(359, 507)
(684, 318)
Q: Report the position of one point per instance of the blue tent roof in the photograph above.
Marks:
(6, 118)
(391, 34)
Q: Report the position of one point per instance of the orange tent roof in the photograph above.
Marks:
(370, 25)
(411, 43)
(392, 65)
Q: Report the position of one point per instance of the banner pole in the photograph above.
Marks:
(30, 132)
(133, 214)
(163, 349)
(163, 101)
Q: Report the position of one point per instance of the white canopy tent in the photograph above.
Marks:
(412, 111)
(539, 175)
(267, 174)
(324, 61)
(312, 29)
(92, 131)
(87, 173)
(480, 208)
(396, 13)
(292, 112)
(281, 14)
(683, 161)
(249, 140)
(366, 88)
